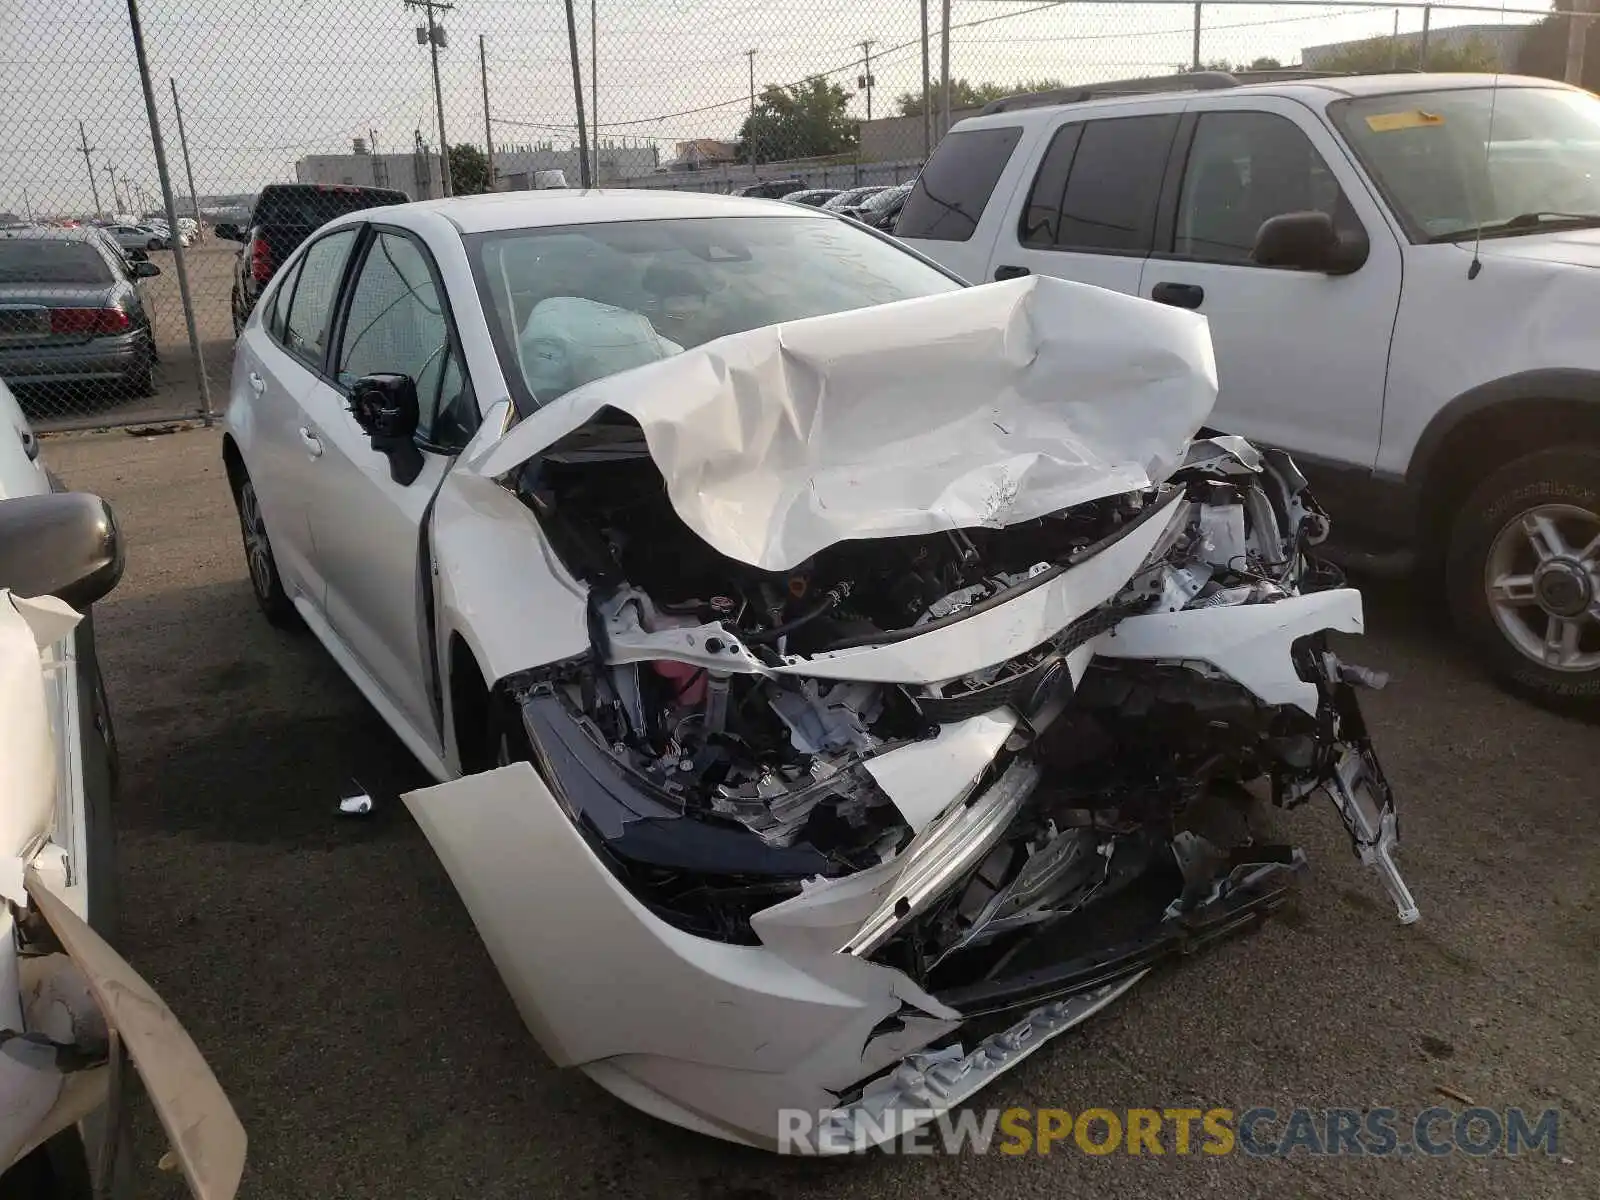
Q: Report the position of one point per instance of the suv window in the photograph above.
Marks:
(396, 324)
(1098, 186)
(306, 329)
(1243, 168)
(949, 196)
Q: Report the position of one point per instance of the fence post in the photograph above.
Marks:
(927, 91)
(171, 209)
(1196, 55)
(1427, 22)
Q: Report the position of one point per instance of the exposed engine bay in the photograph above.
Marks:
(1122, 763)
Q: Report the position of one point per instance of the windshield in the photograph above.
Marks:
(1431, 155)
(575, 303)
(48, 260)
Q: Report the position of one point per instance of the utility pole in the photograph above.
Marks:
(488, 131)
(1577, 35)
(27, 206)
(1195, 55)
(116, 196)
(594, 86)
(94, 188)
(183, 144)
(433, 34)
(866, 80)
(927, 92)
(584, 177)
(751, 55)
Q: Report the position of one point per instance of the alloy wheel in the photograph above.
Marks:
(257, 549)
(1542, 583)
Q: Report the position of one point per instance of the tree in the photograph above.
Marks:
(803, 120)
(969, 95)
(1379, 55)
(1264, 63)
(1543, 52)
(469, 170)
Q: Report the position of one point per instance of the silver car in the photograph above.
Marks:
(140, 237)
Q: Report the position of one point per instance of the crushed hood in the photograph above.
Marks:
(985, 406)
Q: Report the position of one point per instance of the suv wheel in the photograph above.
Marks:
(264, 578)
(1524, 574)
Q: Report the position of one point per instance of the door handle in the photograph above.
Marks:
(1004, 272)
(257, 384)
(311, 441)
(1179, 295)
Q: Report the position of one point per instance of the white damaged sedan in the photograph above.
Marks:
(840, 680)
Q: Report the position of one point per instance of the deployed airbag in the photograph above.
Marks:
(980, 407)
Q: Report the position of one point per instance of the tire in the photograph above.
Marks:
(238, 322)
(1523, 576)
(262, 567)
(142, 380)
(154, 244)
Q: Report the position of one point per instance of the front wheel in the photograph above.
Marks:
(1524, 575)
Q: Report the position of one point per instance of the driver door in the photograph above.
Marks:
(369, 530)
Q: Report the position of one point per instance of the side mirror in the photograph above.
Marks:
(385, 406)
(136, 255)
(1307, 241)
(145, 270)
(228, 231)
(63, 544)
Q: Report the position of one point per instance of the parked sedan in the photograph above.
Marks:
(854, 197)
(70, 312)
(140, 237)
(820, 658)
(882, 208)
(60, 552)
(812, 197)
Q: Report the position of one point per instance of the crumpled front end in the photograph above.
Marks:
(856, 836)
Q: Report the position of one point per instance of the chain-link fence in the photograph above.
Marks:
(275, 117)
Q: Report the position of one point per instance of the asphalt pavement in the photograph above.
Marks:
(330, 975)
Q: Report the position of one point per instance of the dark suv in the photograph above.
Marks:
(285, 215)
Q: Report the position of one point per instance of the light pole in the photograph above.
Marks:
(434, 36)
(751, 55)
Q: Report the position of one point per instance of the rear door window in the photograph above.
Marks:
(1098, 186)
(321, 269)
(949, 197)
(310, 207)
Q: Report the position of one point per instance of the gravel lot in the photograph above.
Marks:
(333, 980)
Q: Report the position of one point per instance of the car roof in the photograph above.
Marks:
(1317, 92)
(52, 233)
(557, 206)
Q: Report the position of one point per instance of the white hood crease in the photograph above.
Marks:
(986, 406)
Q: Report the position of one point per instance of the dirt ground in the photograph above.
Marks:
(332, 978)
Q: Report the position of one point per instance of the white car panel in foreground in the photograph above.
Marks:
(806, 690)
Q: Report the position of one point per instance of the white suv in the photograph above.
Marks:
(1399, 276)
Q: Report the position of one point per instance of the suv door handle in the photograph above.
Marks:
(1004, 272)
(1179, 295)
(257, 384)
(311, 442)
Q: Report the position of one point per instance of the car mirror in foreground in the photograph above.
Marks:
(385, 406)
(145, 270)
(228, 231)
(1307, 241)
(63, 544)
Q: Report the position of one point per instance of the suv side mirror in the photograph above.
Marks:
(145, 270)
(385, 406)
(228, 231)
(1307, 241)
(62, 544)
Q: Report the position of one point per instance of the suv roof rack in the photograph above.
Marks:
(1183, 81)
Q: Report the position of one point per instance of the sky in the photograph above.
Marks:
(263, 82)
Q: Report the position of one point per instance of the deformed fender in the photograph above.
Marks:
(1247, 642)
(730, 1032)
